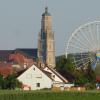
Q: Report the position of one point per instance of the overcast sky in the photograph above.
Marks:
(20, 21)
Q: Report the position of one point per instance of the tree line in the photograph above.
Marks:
(79, 77)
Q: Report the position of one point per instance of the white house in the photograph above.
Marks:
(57, 78)
(34, 78)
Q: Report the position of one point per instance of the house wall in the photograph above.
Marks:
(32, 76)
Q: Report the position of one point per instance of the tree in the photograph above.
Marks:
(79, 77)
(65, 67)
(9, 82)
(12, 82)
(1, 81)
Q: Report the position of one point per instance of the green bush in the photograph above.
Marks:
(9, 82)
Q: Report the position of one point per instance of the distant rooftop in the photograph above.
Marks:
(29, 52)
(4, 54)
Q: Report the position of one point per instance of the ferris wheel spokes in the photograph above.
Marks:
(84, 44)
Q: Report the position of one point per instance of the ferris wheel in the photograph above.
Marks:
(84, 45)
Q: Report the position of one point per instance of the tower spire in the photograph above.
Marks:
(46, 13)
(46, 9)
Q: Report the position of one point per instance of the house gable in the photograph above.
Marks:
(35, 78)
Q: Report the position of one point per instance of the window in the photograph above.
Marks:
(33, 68)
(53, 76)
(50, 46)
(37, 84)
(50, 59)
(38, 75)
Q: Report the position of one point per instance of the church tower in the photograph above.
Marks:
(46, 48)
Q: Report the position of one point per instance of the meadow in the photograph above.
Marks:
(47, 95)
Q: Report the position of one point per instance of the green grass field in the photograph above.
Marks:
(47, 95)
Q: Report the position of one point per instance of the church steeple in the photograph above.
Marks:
(46, 10)
(46, 48)
(46, 13)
